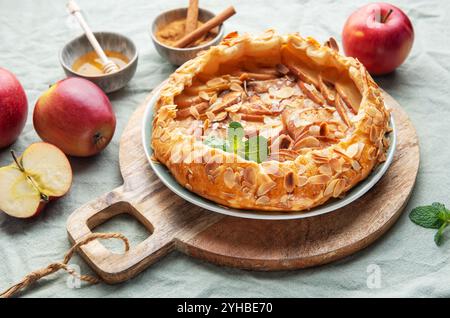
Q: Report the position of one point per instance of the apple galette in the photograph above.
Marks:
(270, 123)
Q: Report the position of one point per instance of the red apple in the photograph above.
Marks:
(380, 36)
(13, 108)
(40, 175)
(75, 115)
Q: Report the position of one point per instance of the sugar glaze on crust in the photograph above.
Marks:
(321, 112)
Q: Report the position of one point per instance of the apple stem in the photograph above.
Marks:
(43, 196)
(384, 19)
(13, 154)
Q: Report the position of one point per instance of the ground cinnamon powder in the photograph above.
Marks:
(175, 30)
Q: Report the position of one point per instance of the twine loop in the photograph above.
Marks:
(54, 267)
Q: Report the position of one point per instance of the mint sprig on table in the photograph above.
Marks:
(435, 216)
(254, 148)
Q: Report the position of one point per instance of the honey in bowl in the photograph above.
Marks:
(90, 64)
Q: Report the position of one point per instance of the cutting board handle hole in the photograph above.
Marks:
(121, 217)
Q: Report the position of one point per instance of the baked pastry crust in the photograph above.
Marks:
(320, 157)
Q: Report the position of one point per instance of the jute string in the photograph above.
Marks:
(54, 267)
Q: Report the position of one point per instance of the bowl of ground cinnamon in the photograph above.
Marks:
(180, 34)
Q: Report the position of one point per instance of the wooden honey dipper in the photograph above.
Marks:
(108, 65)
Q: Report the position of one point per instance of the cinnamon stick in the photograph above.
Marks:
(192, 17)
(205, 28)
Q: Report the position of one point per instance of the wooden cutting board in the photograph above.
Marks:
(244, 243)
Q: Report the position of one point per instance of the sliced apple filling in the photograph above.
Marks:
(294, 107)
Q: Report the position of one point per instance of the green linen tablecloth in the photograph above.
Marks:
(33, 32)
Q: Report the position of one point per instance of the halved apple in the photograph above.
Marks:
(43, 173)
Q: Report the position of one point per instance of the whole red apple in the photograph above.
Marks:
(13, 108)
(75, 115)
(380, 36)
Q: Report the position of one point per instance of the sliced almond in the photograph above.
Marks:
(211, 168)
(361, 146)
(157, 133)
(352, 150)
(373, 135)
(206, 124)
(204, 95)
(263, 200)
(332, 44)
(176, 157)
(235, 116)
(336, 164)
(307, 142)
(325, 169)
(194, 112)
(301, 169)
(373, 112)
(245, 189)
(320, 159)
(250, 175)
(284, 200)
(186, 112)
(341, 152)
(271, 168)
(355, 165)
(289, 182)
(302, 181)
(281, 142)
(324, 129)
(338, 188)
(284, 155)
(217, 81)
(164, 137)
(235, 87)
(319, 179)
(339, 135)
(314, 130)
(220, 116)
(265, 187)
(226, 101)
(284, 92)
(330, 187)
(229, 178)
(235, 108)
(372, 153)
(210, 116)
(213, 99)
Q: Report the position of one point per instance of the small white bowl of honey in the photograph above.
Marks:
(78, 58)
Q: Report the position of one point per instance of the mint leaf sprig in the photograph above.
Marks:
(254, 148)
(435, 216)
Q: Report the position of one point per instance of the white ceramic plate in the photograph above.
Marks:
(166, 177)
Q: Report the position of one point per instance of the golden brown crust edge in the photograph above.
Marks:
(273, 186)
